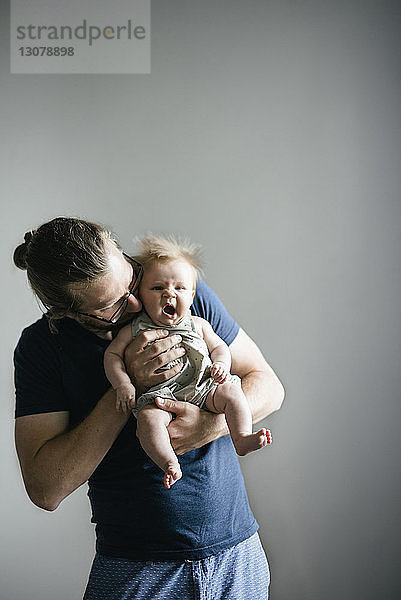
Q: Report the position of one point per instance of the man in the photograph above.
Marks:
(151, 542)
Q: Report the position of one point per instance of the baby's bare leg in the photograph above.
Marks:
(155, 440)
(228, 398)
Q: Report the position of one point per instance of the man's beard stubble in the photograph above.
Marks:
(103, 329)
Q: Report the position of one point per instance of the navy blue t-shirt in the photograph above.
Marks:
(136, 516)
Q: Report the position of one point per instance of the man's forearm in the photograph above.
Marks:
(260, 384)
(65, 461)
(264, 393)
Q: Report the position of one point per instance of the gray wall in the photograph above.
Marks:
(269, 132)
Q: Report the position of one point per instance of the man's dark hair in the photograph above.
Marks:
(59, 253)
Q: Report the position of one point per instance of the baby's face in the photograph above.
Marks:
(167, 290)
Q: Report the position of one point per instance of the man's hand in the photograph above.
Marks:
(147, 353)
(192, 427)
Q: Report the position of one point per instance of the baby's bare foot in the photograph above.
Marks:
(254, 441)
(172, 473)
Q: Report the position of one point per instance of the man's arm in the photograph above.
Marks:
(260, 384)
(194, 427)
(54, 460)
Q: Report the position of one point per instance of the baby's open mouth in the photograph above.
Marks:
(169, 310)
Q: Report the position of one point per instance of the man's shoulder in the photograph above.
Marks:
(37, 340)
(37, 329)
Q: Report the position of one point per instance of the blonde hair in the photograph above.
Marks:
(160, 248)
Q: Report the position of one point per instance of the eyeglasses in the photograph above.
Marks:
(120, 310)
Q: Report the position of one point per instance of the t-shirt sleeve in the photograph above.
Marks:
(37, 377)
(207, 305)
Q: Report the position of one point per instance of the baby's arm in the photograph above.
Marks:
(115, 369)
(218, 350)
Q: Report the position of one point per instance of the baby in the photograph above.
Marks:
(166, 291)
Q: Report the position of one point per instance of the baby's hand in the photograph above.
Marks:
(125, 397)
(219, 371)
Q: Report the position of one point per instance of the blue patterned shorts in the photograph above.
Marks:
(239, 573)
